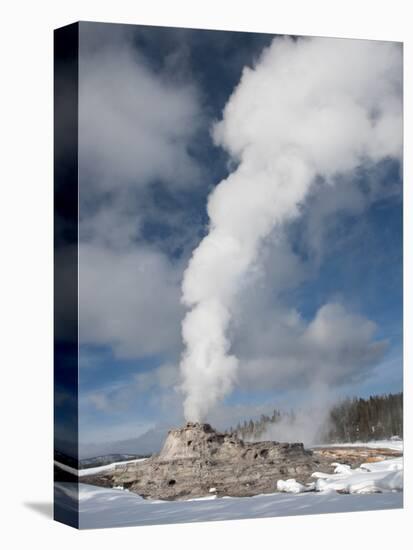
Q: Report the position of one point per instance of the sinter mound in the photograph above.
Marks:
(196, 461)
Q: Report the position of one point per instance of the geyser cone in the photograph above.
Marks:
(197, 460)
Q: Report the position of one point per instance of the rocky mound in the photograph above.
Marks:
(196, 460)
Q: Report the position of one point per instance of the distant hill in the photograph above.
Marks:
(97, 461)
(146, 444)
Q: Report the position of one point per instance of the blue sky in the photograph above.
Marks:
(148, 100)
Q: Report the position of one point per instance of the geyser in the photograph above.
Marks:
(310, 108)
(196, 461)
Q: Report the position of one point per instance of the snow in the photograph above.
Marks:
(390, 465)
(392, 444)
(372, 477)
(341, 468)
(292, 486)
(372, 486)
(97, 470)
(107, 467)
(362, 483)
(100, 507)
(211, 497)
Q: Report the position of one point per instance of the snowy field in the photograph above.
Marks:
(101, 507)
(372, 486)
(393, 444)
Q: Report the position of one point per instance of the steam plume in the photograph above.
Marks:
(310, 107)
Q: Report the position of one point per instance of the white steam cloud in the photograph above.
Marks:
(310, 107)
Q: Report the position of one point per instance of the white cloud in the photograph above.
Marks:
(164, 377)
(135, 128)
(129, 300)
(149, 393)
(280, 350)
(99, 400)
(134, 124)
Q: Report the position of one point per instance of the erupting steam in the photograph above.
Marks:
(310, 107)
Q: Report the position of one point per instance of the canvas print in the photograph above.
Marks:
(228, 275)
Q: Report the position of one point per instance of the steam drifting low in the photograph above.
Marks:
(310, 108)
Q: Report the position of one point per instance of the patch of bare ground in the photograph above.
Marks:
(354, 456)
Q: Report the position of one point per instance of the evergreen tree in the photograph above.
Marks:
(356, 419)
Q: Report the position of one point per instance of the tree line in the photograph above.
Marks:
(353, 419)
(378, 417)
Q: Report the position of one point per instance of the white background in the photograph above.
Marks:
(27, 282)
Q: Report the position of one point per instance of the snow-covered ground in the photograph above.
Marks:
(101, 507)
(97, 470)
(393, 444)
(372, 486)
(372, 477)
